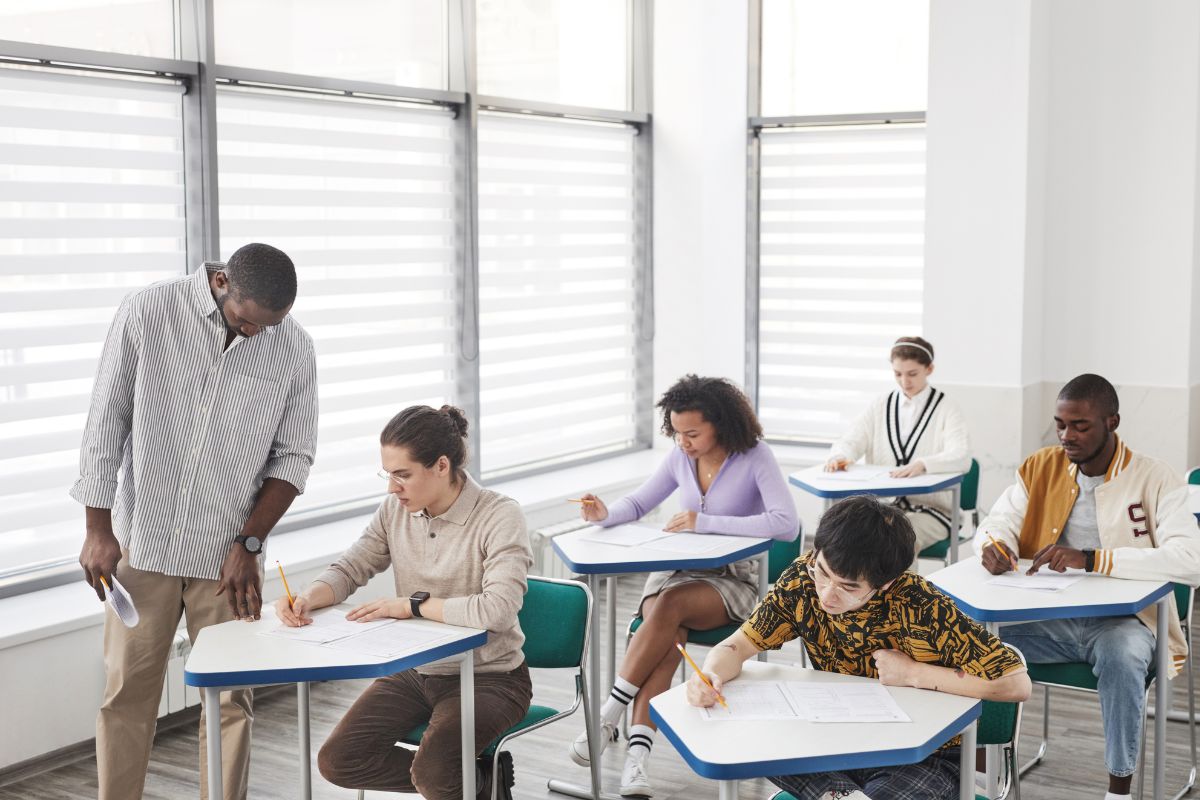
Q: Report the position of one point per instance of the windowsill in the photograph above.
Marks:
(61, 609)
(50, 612)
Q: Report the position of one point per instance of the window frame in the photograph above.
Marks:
(196, 67)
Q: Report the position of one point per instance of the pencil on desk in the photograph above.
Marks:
(703, 677)
(291, 601)
(580, 500)
(1003, 552)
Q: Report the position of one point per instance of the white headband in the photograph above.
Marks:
(923, 349)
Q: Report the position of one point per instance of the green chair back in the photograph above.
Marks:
(1194, 476)
(997, 723)
(969, 492)
(554, 620)
(1183, 601)
(782, 554)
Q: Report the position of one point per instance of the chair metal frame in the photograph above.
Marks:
(581, 690)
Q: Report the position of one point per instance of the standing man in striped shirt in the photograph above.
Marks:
(205, 406)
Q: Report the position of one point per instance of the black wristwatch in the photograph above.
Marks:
(1089, 559)
(253, 544)
(416, 600)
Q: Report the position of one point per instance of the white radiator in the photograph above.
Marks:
(546, 562)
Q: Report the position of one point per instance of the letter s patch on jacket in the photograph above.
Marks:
(1137, 515)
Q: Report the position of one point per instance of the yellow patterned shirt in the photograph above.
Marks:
(911, 616)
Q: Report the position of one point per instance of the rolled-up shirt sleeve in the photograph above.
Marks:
(110, 416)
(295, 445)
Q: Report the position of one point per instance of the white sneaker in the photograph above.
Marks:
(634, 780)
(578, 749)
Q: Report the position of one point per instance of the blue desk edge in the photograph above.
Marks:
(665, 563)
(308, 674)
(852, 490)
(1064, 612)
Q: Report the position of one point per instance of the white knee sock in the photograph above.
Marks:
(1111, 796)
(619, 698)
(641, 739)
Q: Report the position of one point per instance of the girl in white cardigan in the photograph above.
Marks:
(918, 429)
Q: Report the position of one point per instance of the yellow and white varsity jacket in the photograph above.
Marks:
(1146, 529)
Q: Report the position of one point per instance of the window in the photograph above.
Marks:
(402, 42)
(839, 204)
(557, 290)
(136, 27)
(841, 252)
(555, 51)
(91, 207)
(360, 195)
(822, 58)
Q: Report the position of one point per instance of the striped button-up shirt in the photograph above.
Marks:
(191, 427)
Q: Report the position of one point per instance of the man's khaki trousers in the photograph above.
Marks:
(135, 662)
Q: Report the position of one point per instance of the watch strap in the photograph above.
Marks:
(1089, 560)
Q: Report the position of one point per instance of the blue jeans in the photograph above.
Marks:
(1121, 652)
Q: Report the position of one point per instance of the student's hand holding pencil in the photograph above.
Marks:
(703, 694)
(591, 507)
(294, 614)
(997, 558)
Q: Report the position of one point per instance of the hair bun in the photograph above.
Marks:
(457, 417)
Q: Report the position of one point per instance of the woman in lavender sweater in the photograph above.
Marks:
(729, 483)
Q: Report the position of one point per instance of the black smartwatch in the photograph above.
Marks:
(1089, 559)
(253, 544)
(415, 602)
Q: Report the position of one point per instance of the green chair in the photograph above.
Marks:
(779, 557)
(555, 619)
(968, 503)
(999, 724)
(1193, 476)
(1079, 677)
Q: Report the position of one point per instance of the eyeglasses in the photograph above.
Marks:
(823, 581)
(387, 476)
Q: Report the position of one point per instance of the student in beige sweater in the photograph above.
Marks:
(459, 554)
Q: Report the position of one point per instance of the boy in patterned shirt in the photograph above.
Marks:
(860, 612)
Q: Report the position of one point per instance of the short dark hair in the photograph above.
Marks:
(263, 274)
(722, 404)
(864, 539)
(428, 434)
(904, 350)
(1095, 390)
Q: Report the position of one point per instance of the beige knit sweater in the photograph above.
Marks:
(476, 556)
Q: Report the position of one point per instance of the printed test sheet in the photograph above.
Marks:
(1044, 580)
(624, 535)
(328, 625)
(688, 543)
(806, 701)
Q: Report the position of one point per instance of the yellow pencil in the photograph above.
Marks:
(703, 677)
(578, 500)
(105, 584)
(291, 602)
(1003, 552)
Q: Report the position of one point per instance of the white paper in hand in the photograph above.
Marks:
(122, 603)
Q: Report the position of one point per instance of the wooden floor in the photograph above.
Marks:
(1073, 770)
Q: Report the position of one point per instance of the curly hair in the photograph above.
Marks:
(721, 404)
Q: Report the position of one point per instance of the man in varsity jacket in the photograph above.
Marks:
(1094, 504)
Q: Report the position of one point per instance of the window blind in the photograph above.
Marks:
(91, 207)
(360, 195)
(556, 286)
(841, 254)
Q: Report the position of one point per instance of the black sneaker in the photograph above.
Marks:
(505, 779)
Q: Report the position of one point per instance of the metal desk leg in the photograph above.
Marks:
(610, 597)
(966, 764)
(305, 740)
(955, 523)
(727, 790)
(1161, 697)
(466, 688)
(764, 567)
(212, 733)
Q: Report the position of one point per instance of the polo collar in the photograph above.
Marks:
(460, 510)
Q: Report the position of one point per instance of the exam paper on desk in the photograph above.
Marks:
(1044, 580)
(806, 701)
(630, 535)
(328, 625)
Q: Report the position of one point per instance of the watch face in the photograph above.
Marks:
(253, 544)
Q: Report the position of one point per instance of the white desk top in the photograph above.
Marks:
(233, 654)
(733, 750)
(816, 481)
(596, 558)
(1093, 596)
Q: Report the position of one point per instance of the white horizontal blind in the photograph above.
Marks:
(91, 207)
(556, 286)
(360, 195)
(841, 247)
